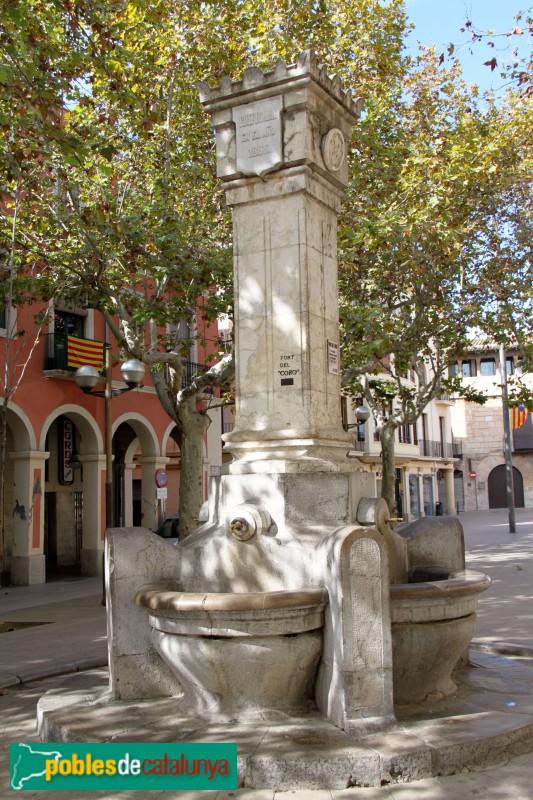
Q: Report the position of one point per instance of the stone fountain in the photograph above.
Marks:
(295, 611)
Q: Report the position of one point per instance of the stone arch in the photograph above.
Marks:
(486, 465)
(144, 430)
(92, 442)
(150, 461)
(20, 426)
(23, 476)
(74, 518)
(167, 435)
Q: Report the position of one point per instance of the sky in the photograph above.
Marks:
(439, 22)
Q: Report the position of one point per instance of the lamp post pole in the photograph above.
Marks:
(507, 448)
(108, 395)
(87, 378)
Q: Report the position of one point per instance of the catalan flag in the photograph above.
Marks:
(84, 351)
(518, 417)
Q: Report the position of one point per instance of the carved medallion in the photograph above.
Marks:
(333, 149)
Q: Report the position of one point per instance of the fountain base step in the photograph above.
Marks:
(489, 720)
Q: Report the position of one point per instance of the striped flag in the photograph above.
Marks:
(518, 417)
(84, 351)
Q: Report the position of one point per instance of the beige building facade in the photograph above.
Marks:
(425, 455)
(479, 431)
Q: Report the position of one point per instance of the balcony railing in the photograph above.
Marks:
(57, 355)
(57, 358)
(457, 448)
(432, 449)
(445, 398)
(191, 370)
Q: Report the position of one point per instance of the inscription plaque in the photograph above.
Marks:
(333, 357)
(258, 136)
(289, 369)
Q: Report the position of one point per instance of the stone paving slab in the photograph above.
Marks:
(74, 639)
(506, 781)
(470, 731)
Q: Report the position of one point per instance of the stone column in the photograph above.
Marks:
(93, 532)
(406, 500)
(450, 492)
(281, 153)
(129, 468)
(28, 560)
(149, 505)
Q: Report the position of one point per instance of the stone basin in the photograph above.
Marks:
(432, 623)
(238, 653)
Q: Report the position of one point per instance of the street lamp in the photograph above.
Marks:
(87, 377)
(362, 413)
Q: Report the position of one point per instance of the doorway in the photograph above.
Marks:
(498, 488)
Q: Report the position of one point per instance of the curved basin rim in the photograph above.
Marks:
(464, 582)
(162, 597)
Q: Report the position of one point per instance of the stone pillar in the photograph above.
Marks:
(281, 154)
(450, 492)
(93, 532)
(28, 560)
(128, 493)
(406, 506)
(149, 504)
(354, 688)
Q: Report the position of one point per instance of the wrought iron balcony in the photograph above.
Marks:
(457, 448)
(66, 353)
(432, 449)
(60, 357)
(191, 370)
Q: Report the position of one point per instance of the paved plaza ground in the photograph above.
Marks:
(36, 659)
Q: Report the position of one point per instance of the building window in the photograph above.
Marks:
(469, 369)
(509, 365)
(453, 370)
(68, 324)
(404, 434)
(4, 321)
(487, 367)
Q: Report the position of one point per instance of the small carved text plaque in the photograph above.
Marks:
(258, 132)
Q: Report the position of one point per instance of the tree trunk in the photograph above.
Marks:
(193, 425)
(387, 437)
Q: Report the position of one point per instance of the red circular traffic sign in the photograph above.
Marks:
(161, 478)
(473, 474)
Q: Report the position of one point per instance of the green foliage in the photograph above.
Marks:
(110, 157)
(436, 234)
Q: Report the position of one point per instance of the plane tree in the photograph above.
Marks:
(435, 242)
(111, 159)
